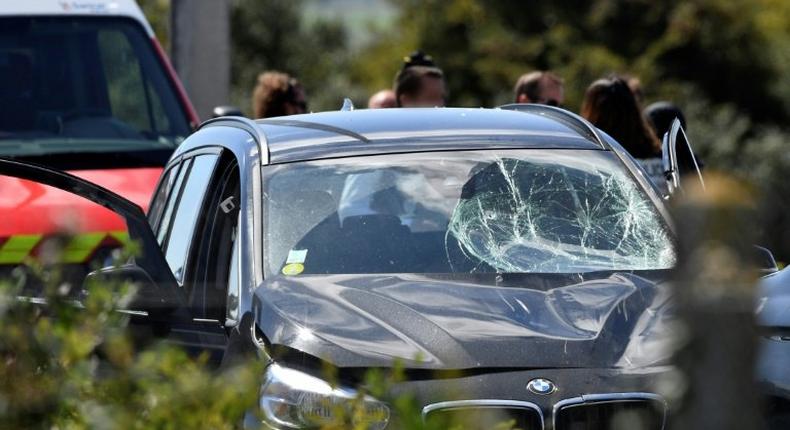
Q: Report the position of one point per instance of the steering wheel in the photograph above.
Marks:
(98, 123)
(82, 113)
(75, 114)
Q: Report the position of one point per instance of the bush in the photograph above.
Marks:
(68, 365)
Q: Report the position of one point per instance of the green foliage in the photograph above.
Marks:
(157, 12)
(72, 365)
(724, 62)
(67, 361)
(716, 45)
(273, 34)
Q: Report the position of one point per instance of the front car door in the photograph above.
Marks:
(150, 258)
(161, 307)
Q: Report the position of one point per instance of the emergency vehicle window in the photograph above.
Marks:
(75, 84)
(132, 99)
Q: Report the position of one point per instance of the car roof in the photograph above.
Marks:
(382, 131)
(111, 8)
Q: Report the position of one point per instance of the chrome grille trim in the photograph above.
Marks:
(486, 403)
(608, 398)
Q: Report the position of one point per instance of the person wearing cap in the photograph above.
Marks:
(419, 83)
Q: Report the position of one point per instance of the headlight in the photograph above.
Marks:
(291, 399)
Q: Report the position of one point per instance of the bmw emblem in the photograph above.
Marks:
(541, 386)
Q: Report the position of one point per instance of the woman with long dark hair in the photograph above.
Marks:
(611, 106)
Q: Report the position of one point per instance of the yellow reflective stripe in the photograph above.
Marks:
(121, 236)
(81, 246)
(16, 248)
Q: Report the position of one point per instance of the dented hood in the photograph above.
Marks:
(470, 321)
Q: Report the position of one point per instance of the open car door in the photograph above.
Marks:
(159, 293)
(680, 163)
(681, 168)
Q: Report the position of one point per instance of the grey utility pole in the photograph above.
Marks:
(200, 40)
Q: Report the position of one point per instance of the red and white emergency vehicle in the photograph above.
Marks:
(84, 87)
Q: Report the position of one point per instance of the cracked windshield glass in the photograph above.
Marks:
(530, 211)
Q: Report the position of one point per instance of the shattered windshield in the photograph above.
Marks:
(510, 211)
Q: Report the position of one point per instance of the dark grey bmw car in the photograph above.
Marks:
(512, 261)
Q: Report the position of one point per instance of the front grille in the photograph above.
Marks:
(621, 414)
(485, 418)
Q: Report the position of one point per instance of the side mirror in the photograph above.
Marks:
(679, 161)
(226, 110)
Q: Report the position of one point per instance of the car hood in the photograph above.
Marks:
(773, 300)
(470, 321)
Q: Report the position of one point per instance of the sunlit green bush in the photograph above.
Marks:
(69, 364)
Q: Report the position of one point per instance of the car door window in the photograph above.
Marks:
(57, 242)
(167, 216)
(163, 191)
(187, 212)
(208, 273)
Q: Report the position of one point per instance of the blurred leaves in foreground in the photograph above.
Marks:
(68, 361)
(70, 364)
